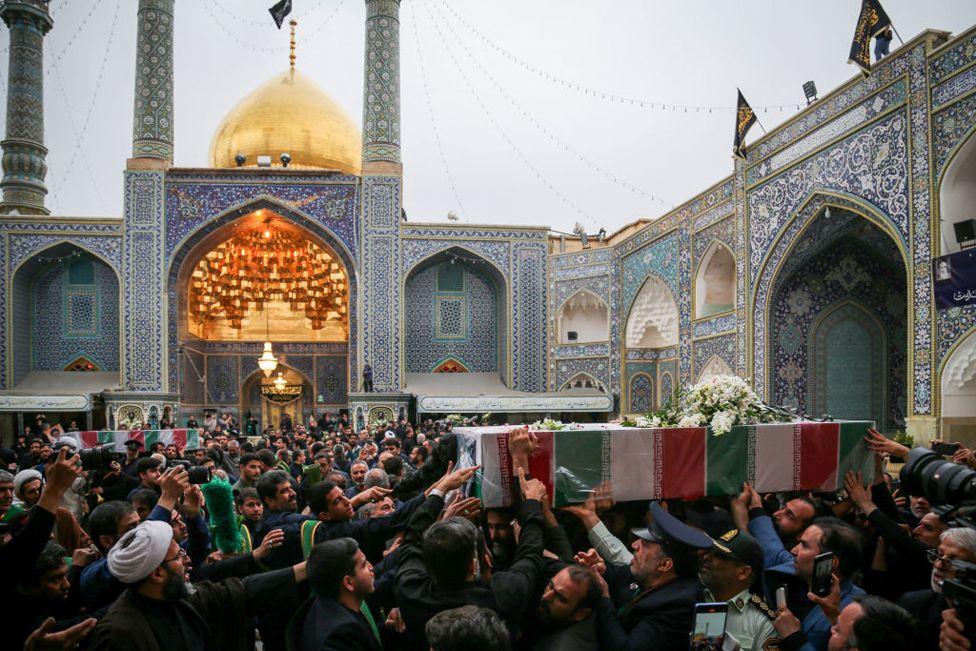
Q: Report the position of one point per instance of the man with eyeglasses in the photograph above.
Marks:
(159, 610)
(957, 544)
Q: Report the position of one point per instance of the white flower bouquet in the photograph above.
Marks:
(720, 402)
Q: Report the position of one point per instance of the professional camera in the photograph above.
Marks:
(100, 457)
(200, 474)
(928, 474)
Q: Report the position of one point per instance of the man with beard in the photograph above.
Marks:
(776, 535)
(501, 537)
(27, 488)
(958, 544)
(665, 572)
(337, 616)
(564, 617)
(160, 610)
(42, 594)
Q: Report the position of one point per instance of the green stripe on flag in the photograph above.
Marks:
(580, 464)
(152, 436)
(727, 461)
(853, 453)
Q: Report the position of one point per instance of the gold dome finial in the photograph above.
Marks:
(291, 55)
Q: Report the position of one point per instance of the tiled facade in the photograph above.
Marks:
(874, 150)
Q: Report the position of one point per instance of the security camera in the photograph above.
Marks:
(285, 159)
(240, 159)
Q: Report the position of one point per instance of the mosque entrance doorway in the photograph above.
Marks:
(263, 278)
(837, 322)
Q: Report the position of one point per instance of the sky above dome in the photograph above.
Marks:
(483, 136)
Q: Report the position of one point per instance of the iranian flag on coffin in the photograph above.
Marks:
(182, 438)
(663, 463)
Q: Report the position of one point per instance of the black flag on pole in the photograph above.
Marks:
(872, 21)
(745, 117)
(280, 11)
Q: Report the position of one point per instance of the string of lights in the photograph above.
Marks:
(79, 134)
(315, 31)
(491, 118)
(602, 94)
(74, 255)
(56, 59)
(234, 37)
(556, 140)
(253, 22)
(430, 112)
(80, 137)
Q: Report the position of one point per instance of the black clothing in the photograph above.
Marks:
(926, 607)
(215, 610)
(658, 620)
(327, 625)
(509, 593)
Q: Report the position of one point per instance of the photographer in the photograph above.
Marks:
(957, 544)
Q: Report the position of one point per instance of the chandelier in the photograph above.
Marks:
(280, 391)
(261, 264)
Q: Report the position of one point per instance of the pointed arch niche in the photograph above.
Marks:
(583, 381)
(584, 318)
(653, 320)
(714, 367)
(65, 308)
(957, 193)
(959, 392)
(715, 282)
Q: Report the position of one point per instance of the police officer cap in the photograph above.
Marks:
(669, 530)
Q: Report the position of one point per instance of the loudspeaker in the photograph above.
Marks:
(572, 335)
(965, 230)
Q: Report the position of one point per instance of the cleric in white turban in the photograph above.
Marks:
(140, 551)
(159, 610)
(25, 480)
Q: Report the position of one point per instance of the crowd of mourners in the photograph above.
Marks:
(372, 539)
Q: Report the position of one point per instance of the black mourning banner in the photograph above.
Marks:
(745, 117)
(280, 11)
(872, 21)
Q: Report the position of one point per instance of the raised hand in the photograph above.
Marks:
(274, 538)
(878, 442)
(70, 638)
(532, 489)
(860, 495)
(591, 559)
(454, 479)
(468, 508)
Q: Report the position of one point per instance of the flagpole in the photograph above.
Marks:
(897, 34)
(759, 123)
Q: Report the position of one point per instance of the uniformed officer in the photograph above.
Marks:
(729, 572)
(649, 604)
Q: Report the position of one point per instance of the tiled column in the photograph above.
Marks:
(24, 165)
(152, 128)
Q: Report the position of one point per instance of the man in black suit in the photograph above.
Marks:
(337, 617)
(650, 603)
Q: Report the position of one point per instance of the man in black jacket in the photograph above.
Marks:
(337, 617)
(958, 544)
(440, 565)
(657, 613)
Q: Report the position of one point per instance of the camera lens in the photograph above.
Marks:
(940, 481)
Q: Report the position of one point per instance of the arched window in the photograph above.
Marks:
(715, 283)
(957, 194)
(583, 381)
(653, 321)
(584, 318)
(82, 365)
(959, 386)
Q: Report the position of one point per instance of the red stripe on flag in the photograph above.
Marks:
(540, 463)
(179, 439)
(88, 439)
(683, 462)
(137, 435)
(818, 455)
(505, 467)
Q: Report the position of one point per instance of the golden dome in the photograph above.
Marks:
(289, 114)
